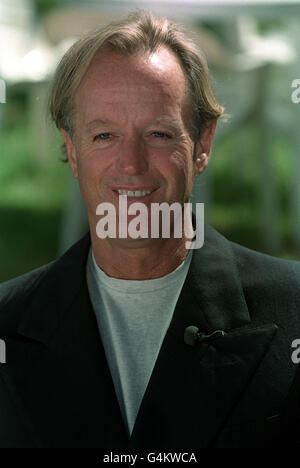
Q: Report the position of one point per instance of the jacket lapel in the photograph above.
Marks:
(194, 390)
(56, 371)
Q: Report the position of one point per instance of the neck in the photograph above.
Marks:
(138, 259)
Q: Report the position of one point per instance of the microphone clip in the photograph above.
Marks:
(193, 336)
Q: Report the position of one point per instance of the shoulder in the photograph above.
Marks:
(21, 286)
(256, 266)
(268, 283)
(251, 264)
(16, 293)
(271, 285)
(49, 282)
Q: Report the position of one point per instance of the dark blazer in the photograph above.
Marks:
(56, 389)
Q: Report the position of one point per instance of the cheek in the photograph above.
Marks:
(183, 174)
(90, 171)
(174, 166)
(91, 166)
(183, 166)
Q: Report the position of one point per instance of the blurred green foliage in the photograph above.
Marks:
(31, 197)
(44, 6)
(235, 169)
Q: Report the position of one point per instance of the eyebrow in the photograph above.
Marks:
(96, 122)
(167, 121)
(158, 121)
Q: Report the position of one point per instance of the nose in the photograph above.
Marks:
(133, 158)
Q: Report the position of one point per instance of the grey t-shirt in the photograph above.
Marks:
(133, 317)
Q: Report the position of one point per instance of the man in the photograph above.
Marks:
(99, 348)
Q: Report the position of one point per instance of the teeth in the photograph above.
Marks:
(136, 193)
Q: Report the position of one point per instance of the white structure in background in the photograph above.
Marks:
(25, 55)
(258, 50)
(20, 58)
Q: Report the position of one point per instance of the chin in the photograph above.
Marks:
(130, 243)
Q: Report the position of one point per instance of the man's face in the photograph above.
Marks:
(132, 131)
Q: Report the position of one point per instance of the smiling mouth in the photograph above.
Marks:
(134, 193)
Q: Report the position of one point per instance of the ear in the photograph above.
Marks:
(71, 152)
(203, 147)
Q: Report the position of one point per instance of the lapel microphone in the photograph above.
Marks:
(193, 336)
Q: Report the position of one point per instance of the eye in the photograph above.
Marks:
(102, 136)
(161, 134)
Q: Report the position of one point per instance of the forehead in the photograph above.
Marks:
(114, 78)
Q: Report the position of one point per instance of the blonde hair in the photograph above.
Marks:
(139, 32)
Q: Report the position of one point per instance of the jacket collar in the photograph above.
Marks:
(213, 285)
(213, 288)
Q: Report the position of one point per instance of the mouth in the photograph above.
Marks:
(135, 192)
